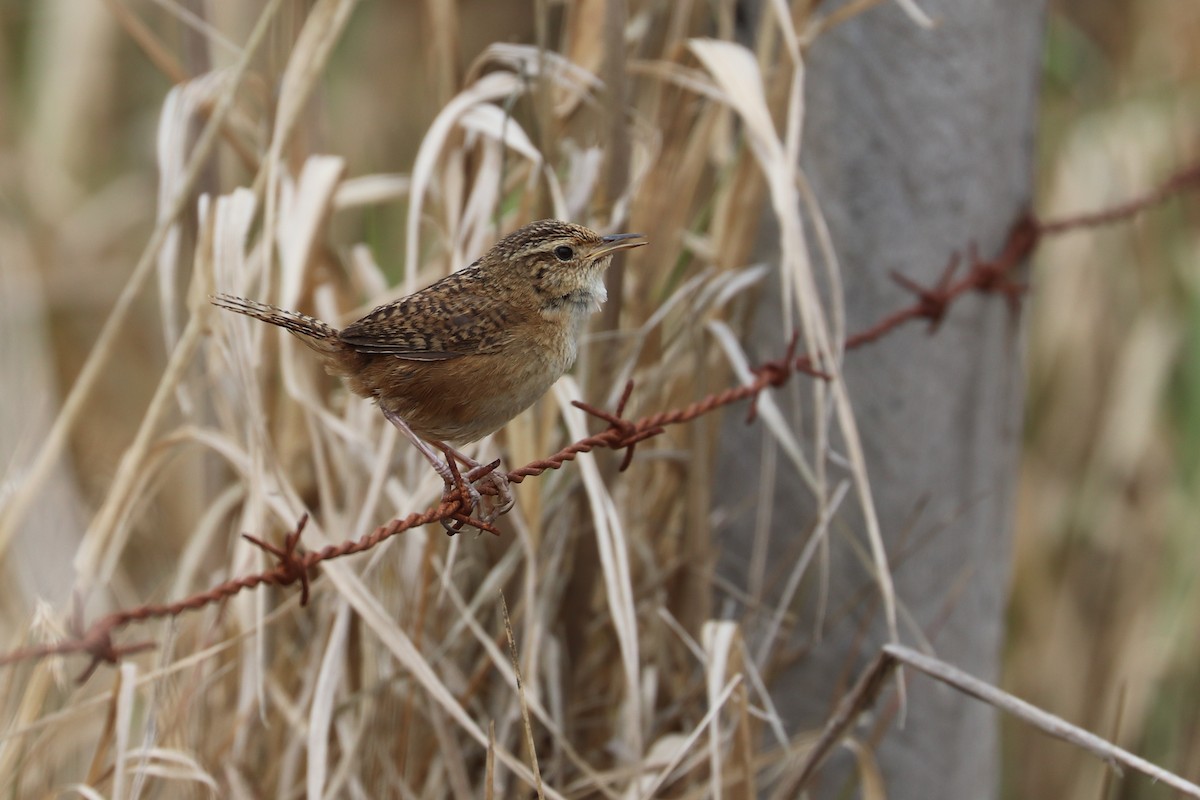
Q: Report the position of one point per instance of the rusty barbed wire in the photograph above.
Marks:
(294, 565)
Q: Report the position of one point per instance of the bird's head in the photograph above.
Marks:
(562, 263)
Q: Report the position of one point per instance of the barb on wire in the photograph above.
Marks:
(290, 568)
(621, 434)
(932, 304)
(776, 373)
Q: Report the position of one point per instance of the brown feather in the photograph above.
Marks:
(451, 318)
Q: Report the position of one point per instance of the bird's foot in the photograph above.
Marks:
(484, 486)
(500, 500)
(459, 489)
(489, 482)
(456, 488)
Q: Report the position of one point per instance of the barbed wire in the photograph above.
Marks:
(989, 277)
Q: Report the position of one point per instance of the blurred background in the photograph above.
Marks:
(1105, 609)
(1104, 622)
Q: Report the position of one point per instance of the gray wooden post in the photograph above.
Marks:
(918, 143)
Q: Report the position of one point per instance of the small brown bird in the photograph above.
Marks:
(458, 359)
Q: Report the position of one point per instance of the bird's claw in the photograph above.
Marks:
(492, 504)
(504, 497)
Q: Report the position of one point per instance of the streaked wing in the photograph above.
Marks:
(449, 319)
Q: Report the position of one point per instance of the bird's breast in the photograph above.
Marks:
(463, 399)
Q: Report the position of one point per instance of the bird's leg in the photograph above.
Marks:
(439, 466)
(504, 494)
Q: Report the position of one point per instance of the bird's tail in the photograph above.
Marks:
(313, 332)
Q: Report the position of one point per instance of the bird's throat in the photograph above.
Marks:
(579, 304)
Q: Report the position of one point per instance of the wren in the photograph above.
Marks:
(455, 361)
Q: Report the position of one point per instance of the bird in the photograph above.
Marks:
(455, 361)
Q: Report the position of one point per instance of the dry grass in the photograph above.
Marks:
(405, 676)
(396, 680)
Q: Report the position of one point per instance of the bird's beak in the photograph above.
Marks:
(619, 241)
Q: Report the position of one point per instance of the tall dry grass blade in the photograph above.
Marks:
(744, 748)
(693, 80)
(771, 715)
(535, 604)
(736, 73)
(442, 51)
(495, 579)
(489, 772)
(170, 765)
(516, 664)
(584, 47)
(75, 404)
(27, 718)
(123, 697)
(490, 88)
(764, 516)
(365, 271)
(303, 220)
(370, 190)
(806, 760)
(829, 257)
(719, 638)
(916, 14)
(322, 29)
(613, 549)
(181, 107)
(325, 698)
(99, 765)
(150, 749)
(233, 215)
(63, 77)
(87, 792)
(783, 22)
(870, 775)
(618, 151)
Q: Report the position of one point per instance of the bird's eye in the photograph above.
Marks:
(563, 253)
